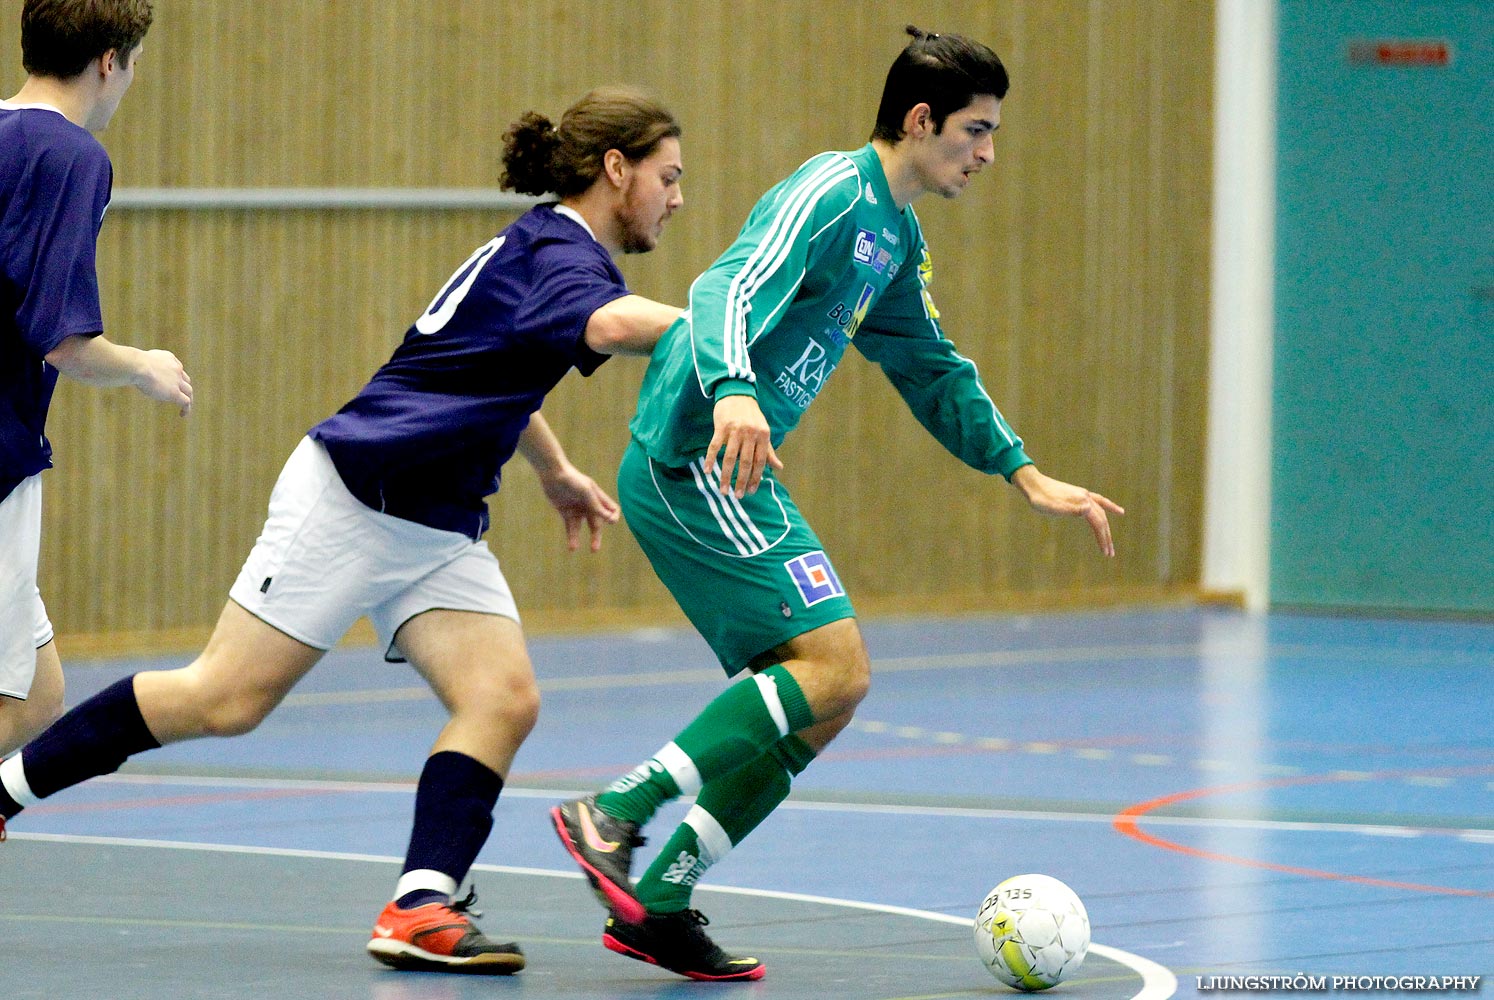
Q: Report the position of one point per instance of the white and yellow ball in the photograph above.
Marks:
(1032, 932)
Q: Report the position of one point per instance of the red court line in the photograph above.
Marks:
(602, 771)
(610, 771)
(1125, 822)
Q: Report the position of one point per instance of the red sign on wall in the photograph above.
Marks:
(1400, 52)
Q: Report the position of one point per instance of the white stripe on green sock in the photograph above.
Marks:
(734, 729)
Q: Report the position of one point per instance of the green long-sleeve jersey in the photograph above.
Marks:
(824, 260)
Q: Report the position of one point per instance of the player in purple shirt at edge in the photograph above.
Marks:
(380, 512)
(55, 182)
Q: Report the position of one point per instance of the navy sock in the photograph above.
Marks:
(453, 817)
(420, 897)
(94, 738)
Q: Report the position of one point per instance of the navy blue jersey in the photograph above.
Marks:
(54, 187)
(426, 438)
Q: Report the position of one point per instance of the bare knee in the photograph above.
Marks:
(233, 713)
(245, 671)
(835, 677)
(198, 701)
(858, 669)
(526, 710)
(510, 700)
(819, 735)
(23, 721)
(47, 707)
(855, 684)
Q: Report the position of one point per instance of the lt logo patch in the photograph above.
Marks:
(815, 579)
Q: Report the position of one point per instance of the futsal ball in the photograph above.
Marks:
(1032, 932)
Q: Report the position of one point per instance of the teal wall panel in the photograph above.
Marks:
(1383, 383)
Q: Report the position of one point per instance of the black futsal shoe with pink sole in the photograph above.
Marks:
(678, 942)
(603, 846)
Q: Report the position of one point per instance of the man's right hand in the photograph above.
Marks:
(162, 378)
(95, 360)
(745, 442)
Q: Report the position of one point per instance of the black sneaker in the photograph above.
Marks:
(675, 941)
(603, 847)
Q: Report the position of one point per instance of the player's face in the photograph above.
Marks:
(962, 148)
(651, 195)
(116, 82)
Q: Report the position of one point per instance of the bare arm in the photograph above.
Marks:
(629, 325)
(541, 448)
(570, 491)
(99, 362)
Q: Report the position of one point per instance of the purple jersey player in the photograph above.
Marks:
(380, 512)
(55, 181)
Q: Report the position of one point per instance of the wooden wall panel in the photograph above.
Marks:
(1075, 273)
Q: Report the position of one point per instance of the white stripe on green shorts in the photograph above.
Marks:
(713, 479)
(715, 501)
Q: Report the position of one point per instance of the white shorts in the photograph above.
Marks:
(325, 559)
(24, 627)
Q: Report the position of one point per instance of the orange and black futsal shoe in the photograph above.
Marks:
(440, 937)
(677, 942)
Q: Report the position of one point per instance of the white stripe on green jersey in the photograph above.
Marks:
(798, 206)
(825, 259)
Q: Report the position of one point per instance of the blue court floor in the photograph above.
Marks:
(1229, 794)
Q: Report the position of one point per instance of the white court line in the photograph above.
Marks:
(1157, 982)
(804, 805)
(370, 696)
(657, 678)
(901, 664)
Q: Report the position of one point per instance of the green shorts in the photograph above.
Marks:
(749, 574)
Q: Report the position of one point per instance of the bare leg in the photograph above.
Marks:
(21, 720)
(245, 671)
(833, 670)
(478, 666)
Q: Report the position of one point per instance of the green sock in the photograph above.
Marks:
(727, 810)
(738, 726)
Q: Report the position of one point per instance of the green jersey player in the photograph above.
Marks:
(831, 257)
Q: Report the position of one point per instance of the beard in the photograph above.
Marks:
(639, 227)
(637, 236)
